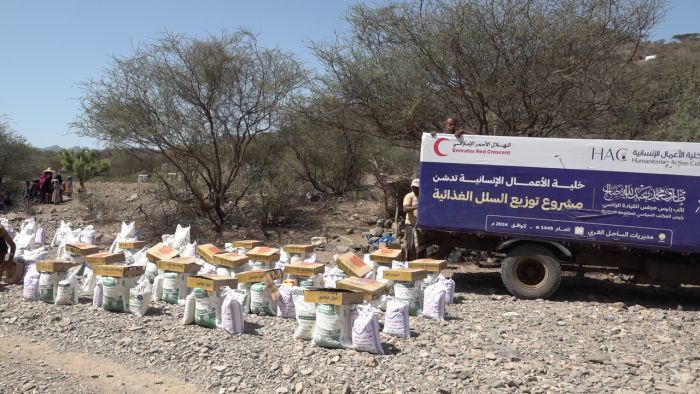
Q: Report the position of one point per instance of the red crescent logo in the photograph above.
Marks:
(436, 147)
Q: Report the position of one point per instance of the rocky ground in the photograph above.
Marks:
(594, 336)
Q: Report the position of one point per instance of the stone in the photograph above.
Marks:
(376, 232)
(307, 371)
(132, 198)
(349, 231)
(342, 249)
(219, 368)
(298, 388)
(318, 241)
(371, 362)
(287, 372)
(282, 390)
(597, 358)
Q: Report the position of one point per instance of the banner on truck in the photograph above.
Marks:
(637, 193)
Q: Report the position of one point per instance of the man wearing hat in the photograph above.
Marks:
(410, 207)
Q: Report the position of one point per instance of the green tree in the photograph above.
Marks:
(84, 165)
(14, 153)
(198, 104)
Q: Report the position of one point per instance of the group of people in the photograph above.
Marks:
(410, 201)
(49, 188)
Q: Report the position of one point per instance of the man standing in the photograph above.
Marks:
(410, 207)
(5, 241)
(451, 126)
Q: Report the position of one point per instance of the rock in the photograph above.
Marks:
(511, 314)
(28, 386)
(342, 249)
(349, 231)
(282, 390)
(346, 389)
(376, 232)
(597, 358)
(379, 223)
(307, 371)
(388, 223)
(287, 372)
(298, 388)
(13, 216)
(371, 362)
(354, 217)
(132, 198)
(355, 247)
(219, 368)
(318, 241)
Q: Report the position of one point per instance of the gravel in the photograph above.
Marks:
(593, 336)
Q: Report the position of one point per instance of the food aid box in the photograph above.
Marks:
(119, 270)
(161, 252)
(81, 249)
(405, 274)
(14, 272)
(105, 258)
(54, 265)
(430, 265)
(256, 276)
(304, 269)
(333, 296)
(264, 254)
(353, 265)
(303, 250)
(211, 282)
(230, 260)
(132, 245)
(371, 289)
(180, 265)
(207, 252)
(247, 244)
(385, 256)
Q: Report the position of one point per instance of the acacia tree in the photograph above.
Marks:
(84, 165)
(14, 151)
(198, 104)
(514, 67)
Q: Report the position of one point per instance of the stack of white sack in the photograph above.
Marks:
(140, 297)
(87, 235)
(25, 239)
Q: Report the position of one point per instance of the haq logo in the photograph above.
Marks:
(436, 147)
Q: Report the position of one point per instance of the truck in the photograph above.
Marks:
(546, 205)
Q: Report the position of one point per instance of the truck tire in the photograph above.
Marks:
(531, 272)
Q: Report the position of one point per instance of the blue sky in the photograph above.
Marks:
(48, 47)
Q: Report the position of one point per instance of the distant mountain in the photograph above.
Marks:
(56, 148)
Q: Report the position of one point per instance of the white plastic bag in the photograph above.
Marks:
(87, 235)
(365, 330)
(450, 286)
(127, 233)
(306, 317)
(434, 301)
(232, 320)
(97, 295)
(333, 326)
(40, 236)
(242, 296)
(158, 287)
(89, 281)
(285, 303)
(396, 320)
(188, 316)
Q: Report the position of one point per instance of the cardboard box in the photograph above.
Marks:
(105, 258)
(14, 272)
(81, 249)
(161, 252)
(264, 254)
(299, 249)
(211, 282)
(54, 265)
(230, 260)
(207, 252)
(371, 289)
(385, 256)
(247, 244)
(353, 265)
(132, 244)
(333, 296)
(405, 274)
(304, 269)
(119, 270)
(181, 264)
(255, 276)
(430, 265)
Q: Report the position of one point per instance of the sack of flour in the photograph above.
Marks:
(365, 330)
(396, 320)
(158, 287)
(261, 302)
(243, 293)
(140, 298)
(188, 316)
(285, 303)
(67, 289)
(89, 281)
(450, 286)
(207, 308)
(232, 320)
(409, 292)
(305, 313)
(434, 301)
(48, 286)
(174, 287)
(333, 326)
(115, 293)
(30, 291)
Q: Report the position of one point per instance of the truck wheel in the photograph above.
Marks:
(534, 273)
